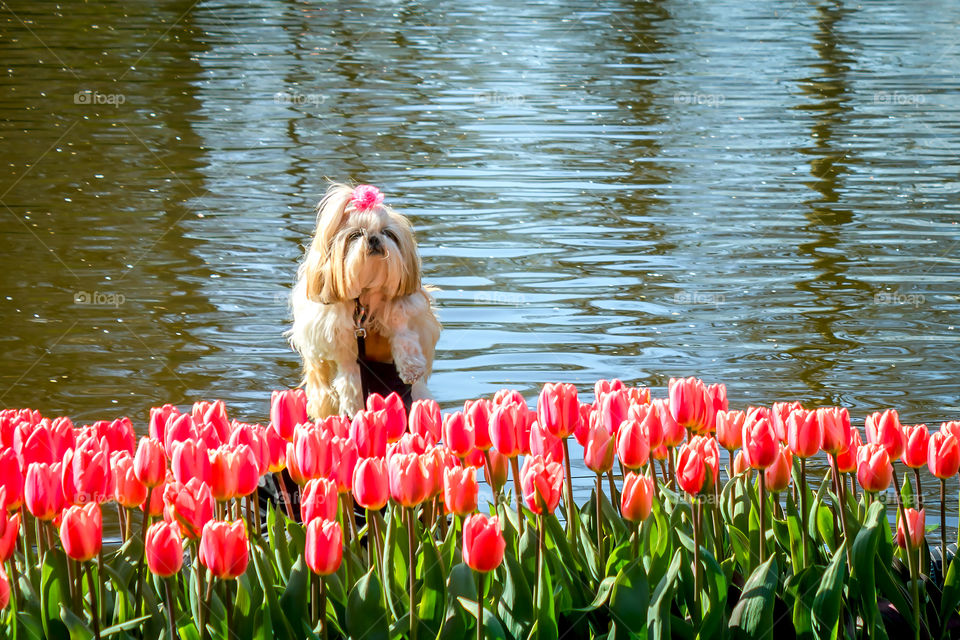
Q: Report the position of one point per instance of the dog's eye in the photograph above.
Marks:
(390, 234)
(355, 235)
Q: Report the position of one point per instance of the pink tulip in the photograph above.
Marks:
(916, 439)
(460, 491)
(943, 454)
(506, 428)
(776, 477)
(636, 501)
(425, 419)
(324, 546)
(371, 488)
(558, 410)
(804, 433)
(190, 505)
(319, 500)
(632, 447)
(81, 531)
(729, 425)
(288, 408)
(43, 492)
(613, 408)
(760, 444)
(541, 480)
(410, 482)
(369, 433)
(190, 460)
(483, 543)
(150, 462)
(835, 424)
(884, 429)
(688, 403)
(164, 549)
(916, 523)
(598, 454)
(458, 438)
(874, 470)
(223, 549)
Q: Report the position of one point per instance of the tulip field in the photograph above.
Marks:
(704, 522)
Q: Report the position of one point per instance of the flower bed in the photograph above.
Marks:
(393, 544)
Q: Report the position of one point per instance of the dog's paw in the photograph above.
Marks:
(412, 369)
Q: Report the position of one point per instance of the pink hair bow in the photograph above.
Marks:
(366, 197)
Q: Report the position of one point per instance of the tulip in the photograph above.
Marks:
(760, 444)
(715, 400)
(33, 443)
(81, 531)
(710, 452)
(558, 410)
(9, 532)
(370, 483)
(688, 403)
(458, 438)
(86, 472)
(410, 443)
(847, 460)
(835, 424)
(649, 419)
(11, 480)
(128, 491)
(164, 549)
(324, 546)
(276, 450)
(915, 527)
(943, 454)
(598, 455)
(179, 427)
(874, 470)
(460, 490)
(120, 435)
(951, 426)
(542, 480)
(153, 506)
(223, 473)
(190, 460)
(319, 500)
(190, 505)
(246, 470)
(214, 414)
(288, 408)
(4, 589)
(804, 433)
(729, 426)
(253, 436)
(545, 444)
(150, 462)
(425, 419)
(410, 484)
(740, 464)
(613, 408)
(884, 429)
(395, 416)
(223, 548)
(312, 455)
(159, 418)
(600, 387)
(636, 501)
(344, 453)
(632, 447)
(42, 491)
(477, 416)
(915, 450)
(779, 414)
(483, 543)
(691, 470)
(910, 537)
(495, 471)
(506, 428)
(673, 431)
(369, 433)
(777, 475)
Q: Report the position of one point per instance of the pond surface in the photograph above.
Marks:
(764, 194)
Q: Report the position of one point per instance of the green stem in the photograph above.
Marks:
(916, 473)
(573, 522)
(838, 482)
(94, 611)
(696, 555)
(412, 569)
(614, 499)
(286, 495)
(323, 609)
(171, 613)
(803, 512)
(943, 529)
(908, 544)
(479, 606)
(518, 490)
(599, 521)
(670, 466)
(763, 500)
(541, 543)
(138, 601)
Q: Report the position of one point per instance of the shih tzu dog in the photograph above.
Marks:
(363, 322)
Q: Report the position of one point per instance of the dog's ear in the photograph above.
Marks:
(410, 277)
(320, 266)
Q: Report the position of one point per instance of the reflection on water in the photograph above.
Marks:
(761, 194)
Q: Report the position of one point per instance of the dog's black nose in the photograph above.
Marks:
(376, 245)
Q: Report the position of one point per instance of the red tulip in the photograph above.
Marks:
(835, 423)
(119, 434)
(498, 467)
(760, 444)
(164, 549)
(613, 407)
(580, 433)
(916, 439)
(874, 470)
(543, 443)
(847, 461)
(483, 543)
(673, 432)
(4, 589)
(410, 483)
(776, 477)
(154, 504)
(395, 416)
(916, 523)
(632, 447)
(951, 426)
(150, 462)
(190, 505)
(506, 428)
(81, 531)
(319, 500)
(598, 454)
(541, 480)
(477, 416)
(288, 408)
(179, 427)
(779, 413)
(86, 472)
(344, 452)
(370, 483)
(128, 491)
(729, 426)
(636, 501)
(688, 403)
(276, 450)
(190, 460)
(710, 452)
(43, 492)
(691, 470)
(943, 455)
(460, 490)
(369, 433)
(223, 548)
(715, 400)
(456, 435)
(804, 433)
(33, 443)
(159, 418)
(253, 436)
(214, 414)
(649, 419)
(224, 465)
(558, 410)
(246, 470)
(884, 429)
(9, 532)
(425, 419)
(324, 548)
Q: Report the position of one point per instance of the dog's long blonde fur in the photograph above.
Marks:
(343, 264)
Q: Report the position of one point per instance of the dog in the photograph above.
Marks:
(362, 319)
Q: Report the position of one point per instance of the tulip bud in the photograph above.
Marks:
(425, 419)
(395, 414)
(460, 490)
(541, 480)
(506, 428)
(916, 523)
(369, 433)
(128, 491)
(410, 483)
(804, 433)
(943, 455)
(483, 543)
(179, 427)
(598, 455)
(688, 403)
(343, 451)
(370, 483)
(558, 409)
(760, 443)
(81, 531)
(496, 470)
(223, 548)
(150, 462)
(715, 400)
(319, 500)
(86, 472)
(636, 501)
(729, 426)
(613, 407)
(223, 473)
(324, 547)
(776, 477)
(288, 408)
(874, 470)
(691, 470)
(632, 447)
(43, 492)
(164, 549)
(477, 416)
(916, 439)
(214, 414)
(835, 424)
(159, 418)
(456, 436)
(884, 429)
(190, 505)
(190, 460)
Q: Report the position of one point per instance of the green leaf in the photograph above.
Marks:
(395, 567)
(716, 600)
(864, 553)
(293, 602)
(280, 626)
(276, 534)
(950, 599)
(53, 592)
(366, 615)
(546, 621)
(630, 598)
(753, 615)
(603, 592)
(433, 593)
(826, 604)
(77, 628)
(123, 626)
(658, 612)
(516, 602)
(491, 626)
(802, 588)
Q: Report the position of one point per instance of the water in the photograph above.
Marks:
(763, 194)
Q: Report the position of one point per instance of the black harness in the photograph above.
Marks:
(376, 377)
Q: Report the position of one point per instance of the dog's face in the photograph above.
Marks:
(355, 251)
